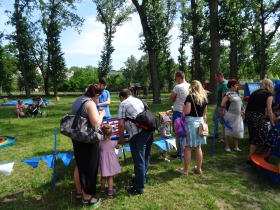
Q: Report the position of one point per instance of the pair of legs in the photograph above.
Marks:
(79, 190)
(18, 113)
(164, 154)
(187, 160)
(221, 119)
(253, 149)
(140, 145)
(258, 130)
(110, 182)
(85, 173)
(235, 140)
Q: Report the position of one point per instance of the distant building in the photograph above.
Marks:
(114, 72)
(69, 75)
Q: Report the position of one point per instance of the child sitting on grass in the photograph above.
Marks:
(108, 162)
(164, 133)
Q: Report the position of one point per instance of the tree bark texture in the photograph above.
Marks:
(215, 50)
(152, 54)
(233, 57)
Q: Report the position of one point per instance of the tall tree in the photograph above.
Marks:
(21, 38)
(234, 17)
(183, 36)
(8, 66)
(129, 71)
(215, 44)
(265, 12)
(154, 31)
(56, 16)
(112, 14)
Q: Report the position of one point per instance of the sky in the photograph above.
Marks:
(85, 48)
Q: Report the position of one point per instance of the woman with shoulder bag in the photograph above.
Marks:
(87, 154)
(195, 109)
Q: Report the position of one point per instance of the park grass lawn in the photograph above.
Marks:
(227, 181)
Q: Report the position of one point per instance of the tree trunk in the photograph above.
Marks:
(233, 57)
(152, 54)
(154, 77)
(262, 64)
(46, 86)
(215, 50)
(196, 43)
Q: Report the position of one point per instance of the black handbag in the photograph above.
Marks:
(79, 128)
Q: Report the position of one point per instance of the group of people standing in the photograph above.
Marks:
(189, 99)
(101, 156)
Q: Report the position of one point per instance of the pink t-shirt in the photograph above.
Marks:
(20, 106)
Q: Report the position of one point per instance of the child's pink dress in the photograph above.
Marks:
(108, 163)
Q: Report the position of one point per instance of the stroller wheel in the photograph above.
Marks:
(43, 114)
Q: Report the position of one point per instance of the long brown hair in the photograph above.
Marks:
(93, 89)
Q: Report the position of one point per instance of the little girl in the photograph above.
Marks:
(108, 163)
(164, 133)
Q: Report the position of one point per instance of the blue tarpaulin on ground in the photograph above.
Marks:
(13, 103)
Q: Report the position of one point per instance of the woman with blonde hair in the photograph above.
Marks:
(195, 109)
(259, 103)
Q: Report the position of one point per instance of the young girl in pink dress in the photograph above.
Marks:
(108, 163)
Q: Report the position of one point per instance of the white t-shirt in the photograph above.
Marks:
(181, 91)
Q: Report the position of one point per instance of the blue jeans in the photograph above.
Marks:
(140, 145)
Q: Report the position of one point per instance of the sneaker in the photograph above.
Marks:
(102, 189)
(165, 159)
(237, 149)
(111, 192)
(131, 189)
(228, 150)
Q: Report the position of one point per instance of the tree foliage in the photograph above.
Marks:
(112, 14)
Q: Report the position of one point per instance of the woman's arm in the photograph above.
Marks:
(204, 114)
(107, 102)
(95, 117)
(223, 105)
(269, 110)
(187, 108)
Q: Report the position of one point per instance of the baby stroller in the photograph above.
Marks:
(34, 108)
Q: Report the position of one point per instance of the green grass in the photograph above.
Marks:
(227, 183)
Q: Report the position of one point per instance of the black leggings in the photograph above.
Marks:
(87, 160)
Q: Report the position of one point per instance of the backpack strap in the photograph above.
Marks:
(145, 108)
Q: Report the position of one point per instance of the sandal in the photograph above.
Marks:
(92, 205)
(198, 172)
(181, 170)
(78, 195)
